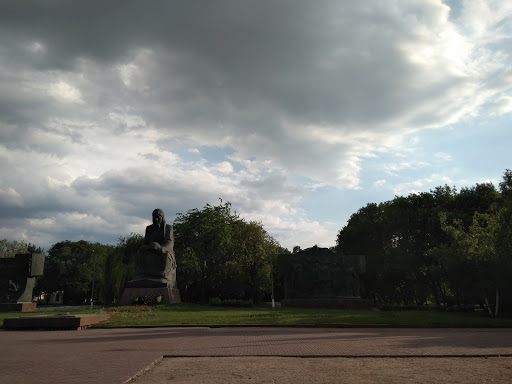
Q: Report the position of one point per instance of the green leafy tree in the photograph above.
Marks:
(506, 184)
(75, 267)
(255, 253)
(472, 263)
(366, 234)
(478, 263)
(120, 266)
(11, 248)
(202, 242)
(481, 198)
(413, 256)
(221, 255)
(504, 241)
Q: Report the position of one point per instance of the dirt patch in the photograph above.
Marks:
(242, 370)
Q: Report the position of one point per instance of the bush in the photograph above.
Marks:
(409, 307)
(215, 301)
(461, 308)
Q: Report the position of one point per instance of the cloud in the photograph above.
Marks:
(503, 105)
(421, 185)
(224, 167)
(102, 124)
(63, 91)
(10, 196)
(443, 156)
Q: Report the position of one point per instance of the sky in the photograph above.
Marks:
(297, 112)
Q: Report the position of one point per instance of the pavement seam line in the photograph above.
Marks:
(349, 356)
(144, 370)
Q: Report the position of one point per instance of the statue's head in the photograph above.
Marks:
(158, 217)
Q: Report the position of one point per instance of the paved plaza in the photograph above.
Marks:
(115, 355)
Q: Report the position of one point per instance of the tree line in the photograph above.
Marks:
(218, 253)
(447, 247)
(444, 247)
(9, 249)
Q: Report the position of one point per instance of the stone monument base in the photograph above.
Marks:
(169, 295)
(348, 303)
(18, 307)
(54, 321)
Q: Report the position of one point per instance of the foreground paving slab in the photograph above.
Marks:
(337, 370)
(116, 355)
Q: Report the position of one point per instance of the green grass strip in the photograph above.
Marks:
(194, 314)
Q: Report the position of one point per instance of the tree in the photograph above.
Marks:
(504, 241)
(506, 184)
(482, 251)
(481, 198)
(413, 256)
(473, 262)
(402, 240)
(255, 253)
(73, 267)
(221, 255)
(120, 266)
(202, 240)
(11, 248)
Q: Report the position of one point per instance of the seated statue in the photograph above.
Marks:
(155, 262)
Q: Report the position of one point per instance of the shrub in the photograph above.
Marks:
(215, 301)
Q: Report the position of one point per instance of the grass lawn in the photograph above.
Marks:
(176, 314)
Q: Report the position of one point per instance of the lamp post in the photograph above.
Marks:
(272, 285)
(92, 290)
(92, 293)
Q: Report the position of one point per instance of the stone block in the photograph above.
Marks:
(18, 307)
(54, 321)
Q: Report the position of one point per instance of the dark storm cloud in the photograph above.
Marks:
(306, 57)
(131, 190)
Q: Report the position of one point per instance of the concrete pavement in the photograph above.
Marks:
(115, 355)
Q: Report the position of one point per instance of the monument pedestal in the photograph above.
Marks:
(18, 307)
(169, 295)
